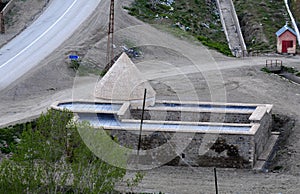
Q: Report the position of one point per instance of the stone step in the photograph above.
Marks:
(265, 155)
(259, 165)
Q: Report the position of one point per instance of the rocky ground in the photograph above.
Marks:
(178, 68)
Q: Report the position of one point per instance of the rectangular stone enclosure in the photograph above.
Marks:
(183, 133)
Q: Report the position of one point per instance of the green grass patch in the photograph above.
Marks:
(85, 71)
(266, 70)
(295, 8)
(260, 20)
(102, 73)
(177, 32)
(74, 64)
(290, 69)
(221, 47)
(84, 68)
(195, 18)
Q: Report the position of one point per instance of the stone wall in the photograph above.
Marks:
(225, 150)
(191, 116)
(184, 148)
(262, 134)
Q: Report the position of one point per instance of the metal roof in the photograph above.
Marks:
(283, 29)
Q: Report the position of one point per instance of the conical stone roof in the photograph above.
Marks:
(123, 82)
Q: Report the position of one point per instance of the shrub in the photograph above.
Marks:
(290, 69)
(266, 70)
(52, 158)
(221, 47)
(74, 64)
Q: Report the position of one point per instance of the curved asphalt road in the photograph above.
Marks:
(58, 22)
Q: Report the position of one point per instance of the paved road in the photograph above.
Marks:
(52, 28)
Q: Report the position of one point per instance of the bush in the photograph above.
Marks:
(221, 47)
(9, 136)
(266, 70)
(74, 64)
(52, 158)
(290, 69)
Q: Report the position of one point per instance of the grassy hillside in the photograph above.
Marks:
(295, 7)
(260, 20)
(199, 18)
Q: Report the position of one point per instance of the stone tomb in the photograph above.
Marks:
(175, 132)
(184, 133)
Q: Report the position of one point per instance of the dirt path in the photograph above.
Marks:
(177, 69)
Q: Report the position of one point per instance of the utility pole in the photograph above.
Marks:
(110, 38)
(216, 180)
(141, 125)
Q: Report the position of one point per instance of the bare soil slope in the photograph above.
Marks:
(20, 16)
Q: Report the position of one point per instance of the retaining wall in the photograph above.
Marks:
(191, 116)
(262, 135)
(230, 150)
(237, 150)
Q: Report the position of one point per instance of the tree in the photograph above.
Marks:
(52, 158)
